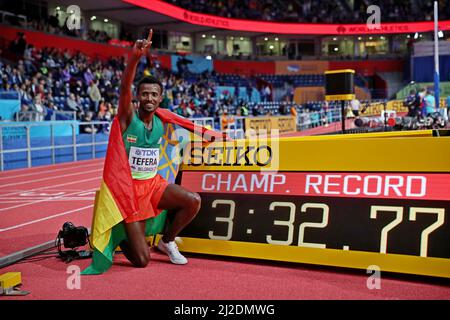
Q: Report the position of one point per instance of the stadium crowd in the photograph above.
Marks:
(50, 79)
(308, 11)
(340, 11)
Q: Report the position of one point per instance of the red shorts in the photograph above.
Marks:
(148, 193)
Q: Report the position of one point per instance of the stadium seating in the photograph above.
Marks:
(328, 11)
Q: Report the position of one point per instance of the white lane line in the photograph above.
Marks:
(49, 171)
(45, 200)
(28, 191)
(54, 200)
(50, 178)
(46, 218)
(47, 197)
(51, 167)
(26, 195)
(56, 185)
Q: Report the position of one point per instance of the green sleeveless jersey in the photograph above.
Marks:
(142, 147)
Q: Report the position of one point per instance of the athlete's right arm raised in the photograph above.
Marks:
(126, 109)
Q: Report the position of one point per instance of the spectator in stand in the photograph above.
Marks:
(16, 77)
(422, 94)
(349, 112)
(52, 106)
(23, 114)
(355, 105)
(53, 21)
(305, 119)
(78, 88)
(19, 44)
(198, 114)
(267, 93)
(103, 116)
(88, 128)
(94, 95)
(226, 120)
(412, 102)
(28, 57)
(88, 76)
(25, 94)
(39, 109)
(293, 111)
(72, 104)
(66, 74)
(283, 108)
(6, 86)
(429, 104)
(244, 110)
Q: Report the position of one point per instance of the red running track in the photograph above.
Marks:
(35, 202)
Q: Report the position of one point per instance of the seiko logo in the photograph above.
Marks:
(230, 155)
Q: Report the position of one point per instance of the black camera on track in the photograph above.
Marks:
(72, 237)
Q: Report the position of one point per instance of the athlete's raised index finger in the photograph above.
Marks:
(150, 35)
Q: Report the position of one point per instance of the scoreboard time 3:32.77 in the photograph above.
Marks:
(321, 210)
(398, 221)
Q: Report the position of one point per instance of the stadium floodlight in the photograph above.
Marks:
(213, 36)
(266, 39)
(416, 35)
(208, 58)
(106, 20)
(58, 8)
(204, 36)
(241, 38)
(440, 34)
(276, 39)
(93, 18)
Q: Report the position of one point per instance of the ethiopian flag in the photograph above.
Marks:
(115, 200)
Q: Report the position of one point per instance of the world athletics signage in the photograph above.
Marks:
(284, 28)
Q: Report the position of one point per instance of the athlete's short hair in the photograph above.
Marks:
(150, 80)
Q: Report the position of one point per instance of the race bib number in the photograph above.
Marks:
(143, 160)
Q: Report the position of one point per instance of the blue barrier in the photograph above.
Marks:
(17, 130)
(17, 160)
(8, 107)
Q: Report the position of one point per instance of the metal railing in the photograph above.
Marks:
(204, 122)
(11, 18)
(313, 119)
(38, 116)
(28, 149)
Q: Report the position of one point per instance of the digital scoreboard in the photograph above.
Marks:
(339, 85)
(358, 204)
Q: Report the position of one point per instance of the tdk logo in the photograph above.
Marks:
(150, 153)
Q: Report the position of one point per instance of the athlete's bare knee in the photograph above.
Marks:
(195, 202)
(141, 260)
